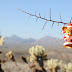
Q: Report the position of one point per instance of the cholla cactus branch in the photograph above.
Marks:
(53, 65)
(35, 12)
(1, 70)
(38, 51)
(32, 66)
(36, 19)
(52, 24)
(10, 56)
(40, 70)
(60, 17)
(38, 55)
(0, 52)
(3, 61)
(44, 25)
(24, 59)
(68, 67)
(2, 39)
(58, 24)
(44, 17)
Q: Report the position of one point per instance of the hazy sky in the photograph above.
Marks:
(15, 22)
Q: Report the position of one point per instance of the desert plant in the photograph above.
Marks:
(1, 70)
(37, 52)
(68, 67)
(24, 59)
(10, 56)
(53, 65)
(38, 55)
(3, 61)
(0, 52)
(2, 39)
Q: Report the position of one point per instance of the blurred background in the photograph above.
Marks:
(21, 31)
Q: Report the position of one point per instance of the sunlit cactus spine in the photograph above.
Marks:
(68, 67)
(53, 65)
(38, 51)
(2, 39)
(38, 55)
(10, 55)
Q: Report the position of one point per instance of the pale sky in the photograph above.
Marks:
(15, 22)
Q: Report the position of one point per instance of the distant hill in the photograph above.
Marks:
(17, 40)
(47, 41)
(50, 42)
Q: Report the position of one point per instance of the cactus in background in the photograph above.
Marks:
(1, 70)
(39, 61)
(53, 65)
(10, 56)
(2, 39)
(68, 67)
(24, 59)
(37, 51)
(38, 55)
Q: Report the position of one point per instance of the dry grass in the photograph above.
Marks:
(21, 66)
(12, 67)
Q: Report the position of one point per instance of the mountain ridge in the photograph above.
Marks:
(47, 41)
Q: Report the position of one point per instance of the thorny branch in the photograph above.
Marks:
(44, 18)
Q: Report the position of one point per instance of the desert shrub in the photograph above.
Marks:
(68, 67)
(38, 55)
(10, 56)
(2, 39)
(24, 59)
(53, 65)
(37, 52)
(37, 62)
